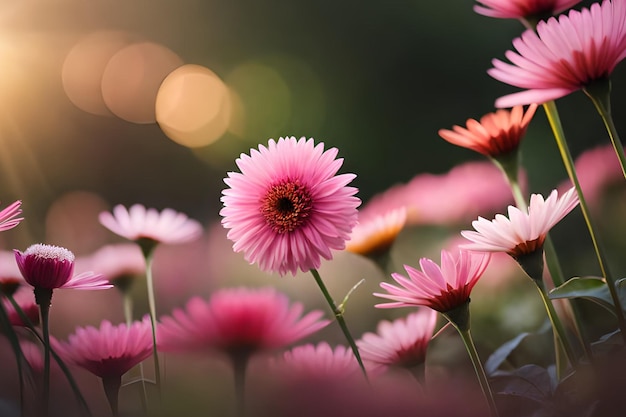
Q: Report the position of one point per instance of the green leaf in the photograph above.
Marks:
(590, 288)
(503, 352)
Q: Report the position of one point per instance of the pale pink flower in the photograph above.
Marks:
(376, 232)
(119, 263)
(138, 222)
(522, 9)
(238, 321)
(319, 361)
(403, 342)
(49, 267)
(496, 134)
(110, 350)
(7, 216)
(565, 54)
(523, 232)
(440, 288)
(288, 208)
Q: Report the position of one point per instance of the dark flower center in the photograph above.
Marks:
(286, 206)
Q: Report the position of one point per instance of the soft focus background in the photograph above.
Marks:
(82, 89)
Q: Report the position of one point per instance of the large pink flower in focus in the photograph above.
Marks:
(523, 232)
(564, 55)
(496, 134)
(237, 321)
(7, 216)
(49, 267)
(522, 9)
(138, 222)
(110, 350)
(288, 208)
(403, 342)
(442, 288)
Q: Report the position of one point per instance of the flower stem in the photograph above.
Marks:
(338, 313)
(478, 368)
(7, 329)
(43, 297)
(127, 300)
(599, 92)
(112, 390)
(240, 364)
(555, 122)
(152, 306)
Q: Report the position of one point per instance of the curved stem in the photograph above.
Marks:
(338, 313)
(557, 129)
(152, 307)
(478, 368)
(7, 329)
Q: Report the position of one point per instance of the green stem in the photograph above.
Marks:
(127, 300)
(338, 313)
(478, 368)
(152, 307)
(555, 122)
(556, 323)
(5, 325)
(599, 92)
(43, 297)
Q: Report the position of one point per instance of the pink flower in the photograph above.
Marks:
(564, 55)
(120, 263)
(319, 361)
(238, 321)
(7, 216)
(288, 207)
(376, 232)
(24, 300)
(522, 9)
(440, 288)
(402, 342)
(50, 267)
(137, 223)
(496, 134)
(522, 232)
(108, 351)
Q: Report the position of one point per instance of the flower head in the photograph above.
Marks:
(442, 288)
(564, 55)
(319, 361)
(109, 351)
(376, 232)
(136, 223)
(402, 342)
(496, 134)
(7, 216)
(50, 267)
(119, 263)
(522, 9)
(238, 321)
(522, 233)
(288, 208)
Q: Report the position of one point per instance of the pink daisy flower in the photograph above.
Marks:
(119, 263)
(137, 223)
(238, 321)
(523, 232)
(376, 232)
(109, 352)
(496, 134)
(564, 55)
(442, 288)
(402, 342)
(49, 267)
(522, 9)
(288, 208)
(319, 361)
(7, 216)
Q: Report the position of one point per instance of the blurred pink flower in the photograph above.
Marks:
(498, 133)
(288, 207)
(137, 223)
(110, 350)
(238, 321)
(376, 232)
(118, 263)
(7, 216)
(49, 267)
(564, 55)
(522, 232)
(403, 342)
(522, 9)
(440, 288)
(319, 361)
(24, 299)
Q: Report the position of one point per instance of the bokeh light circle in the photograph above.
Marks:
(193, 106)
(132, 77)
